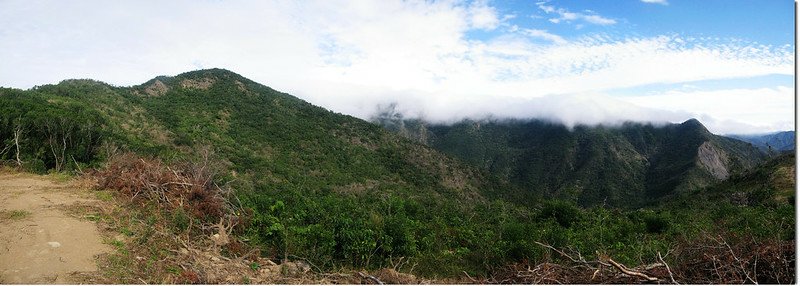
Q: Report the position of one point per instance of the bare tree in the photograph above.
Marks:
(59, 133)
(17, 134)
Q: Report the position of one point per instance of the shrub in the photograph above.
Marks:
(564, 213)
(655, 223)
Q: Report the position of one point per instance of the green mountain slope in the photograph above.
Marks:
(771, 184)
(344, 190)
(343, 193)
(622, 166)
(286, 141)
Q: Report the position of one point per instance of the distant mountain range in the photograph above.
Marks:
(779, 141)
(630, 165)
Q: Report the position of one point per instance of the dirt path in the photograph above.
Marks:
(39, 241)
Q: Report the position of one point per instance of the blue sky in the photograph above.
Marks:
(763, 21)
(728, 63)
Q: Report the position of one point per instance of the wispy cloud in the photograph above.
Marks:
(565, 15)
(598, 20)
(543, 34)
(662, 2)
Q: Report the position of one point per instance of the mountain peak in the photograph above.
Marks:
(692, 122)
(199, 79)
(694, 125)
(213, 73)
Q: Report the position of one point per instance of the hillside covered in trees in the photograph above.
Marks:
(626, 166)
(485, 201)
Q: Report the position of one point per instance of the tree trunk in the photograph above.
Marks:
(17, 133)
(63, 151)
(53, 147)
(52, 139)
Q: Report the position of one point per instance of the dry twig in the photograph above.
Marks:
(671, 277)
(627, 271)
(370, 277)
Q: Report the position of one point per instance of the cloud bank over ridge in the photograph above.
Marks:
(353, 56)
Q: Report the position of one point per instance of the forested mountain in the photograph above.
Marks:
(475, 197)
(770, 184)
(774, 142)
(623, 166)
(346, 190)
(270, 138)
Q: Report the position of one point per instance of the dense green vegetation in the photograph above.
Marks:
(48, 131)
(770, 185)
(626, 166)
(341, 192)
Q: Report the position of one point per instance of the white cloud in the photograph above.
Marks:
(483, 16)
(585, 108)
(543, 34)
(546, 8)
(730, 111)
(565, 15)
(598, 20)
(351, 56)
(662, 2)
(568, 16)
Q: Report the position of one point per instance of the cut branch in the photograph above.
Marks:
(627, 271)
(580, 259)
(671, 278)
(370, 277)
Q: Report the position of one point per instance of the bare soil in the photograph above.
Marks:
(40, 243)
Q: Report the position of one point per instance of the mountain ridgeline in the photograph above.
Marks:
(347, 191)
(627, 166)
(339, 192)
(773, 142)
(263, 136)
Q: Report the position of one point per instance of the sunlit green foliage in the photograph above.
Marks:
(341, 192)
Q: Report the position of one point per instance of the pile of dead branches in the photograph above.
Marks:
(729, 259)
(710, 259)
(189, 186)
(205, 249)
(573, 268)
